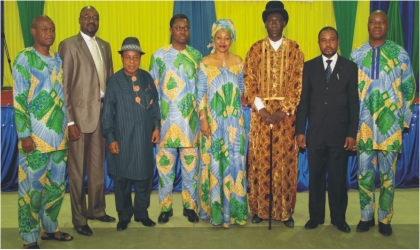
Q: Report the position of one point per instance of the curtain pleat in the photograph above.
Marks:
(27, 11)
(345, 17)
(395, 30)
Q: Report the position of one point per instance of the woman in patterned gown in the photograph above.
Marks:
(222, 177)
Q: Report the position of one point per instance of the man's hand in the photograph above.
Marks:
(156, 136)
(277, 117)
(114, 148)
(74, 133)
(205, 127)
(301, 141)
(28, 144)
(265, 115)
(350, 144)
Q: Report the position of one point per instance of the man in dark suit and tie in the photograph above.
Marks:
(131, 125)
(87, 64)
(330, 102)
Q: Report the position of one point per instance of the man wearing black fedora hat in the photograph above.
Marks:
(131, 125)
(273, 82)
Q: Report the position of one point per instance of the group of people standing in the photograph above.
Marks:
(70, 107)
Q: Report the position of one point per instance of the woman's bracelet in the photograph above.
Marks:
(201, 117)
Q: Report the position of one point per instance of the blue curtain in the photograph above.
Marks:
(202, 15)
(9, 151)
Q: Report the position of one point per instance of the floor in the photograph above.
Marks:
(179, 233)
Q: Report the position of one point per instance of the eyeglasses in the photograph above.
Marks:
(88, 18)
(179, 28)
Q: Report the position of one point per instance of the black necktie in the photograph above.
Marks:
(328, 71)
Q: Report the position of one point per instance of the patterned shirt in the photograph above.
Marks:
(174, 73)
(39, 106)
(386, 91)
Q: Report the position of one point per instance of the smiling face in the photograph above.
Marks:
(274, 26)
(43, 31)
(328, 43)
(378, 27)
(180, 32)
(89, 21)
(222, 40)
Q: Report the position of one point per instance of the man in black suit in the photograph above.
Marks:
(330, 101)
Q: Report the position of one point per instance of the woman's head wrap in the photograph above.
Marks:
(222, 24)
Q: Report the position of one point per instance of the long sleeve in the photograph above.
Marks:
(252, 61)
(303, 107)
(202, 88)
(21, 88)
(408, 89)
(108, 127)
(354, 105)
(68, 68)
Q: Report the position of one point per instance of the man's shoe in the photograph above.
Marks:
(84, 230)
(290, 222)
(192, 216)
(385, 229)
(146, 222)
(256, 219)
(164, 216)
(364, 226)
(105, 218)
(122, 225)
(343, 227)
(311, 224)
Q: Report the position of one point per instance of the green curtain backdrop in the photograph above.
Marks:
(395, 31)
(345, 17)
(27, 11)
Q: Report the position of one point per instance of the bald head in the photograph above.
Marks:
(87, 8)
(377, 27)
(41, 18)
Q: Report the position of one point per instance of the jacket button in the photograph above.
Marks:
(325, 103)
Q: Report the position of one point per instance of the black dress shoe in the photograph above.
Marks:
(364, 226)
(256, 219)
(164, 216)
(84, 230)
(105, 218)
(290, 222)
(146, 222)
(122, 225)
(343, 227)
(312, 224)
(192, 216)
(385, 229)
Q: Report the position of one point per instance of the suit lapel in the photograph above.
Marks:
(85, 49)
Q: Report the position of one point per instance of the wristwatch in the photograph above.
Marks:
(157, 128)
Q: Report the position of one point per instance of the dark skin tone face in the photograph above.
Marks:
(377, 28)
(43, 31)
(180, 37)
(274, 26)
(89, 21)
(131, 62)
(328, 43)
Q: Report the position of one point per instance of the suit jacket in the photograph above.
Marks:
(332, 108)
(81, 81)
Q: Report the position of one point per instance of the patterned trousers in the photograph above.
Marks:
(368, 161)
(166, 159)
(41, 191)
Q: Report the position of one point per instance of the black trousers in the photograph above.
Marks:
(334, 160)
(123, 201)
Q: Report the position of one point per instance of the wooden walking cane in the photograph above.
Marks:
(270, 207)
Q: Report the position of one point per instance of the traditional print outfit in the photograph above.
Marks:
(174, 74)
(275, 76)
(130, 115)
(40, 112)
(386, 91)
(222, 177)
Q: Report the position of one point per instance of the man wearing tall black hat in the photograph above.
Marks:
(273, 83)
(131, 125)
